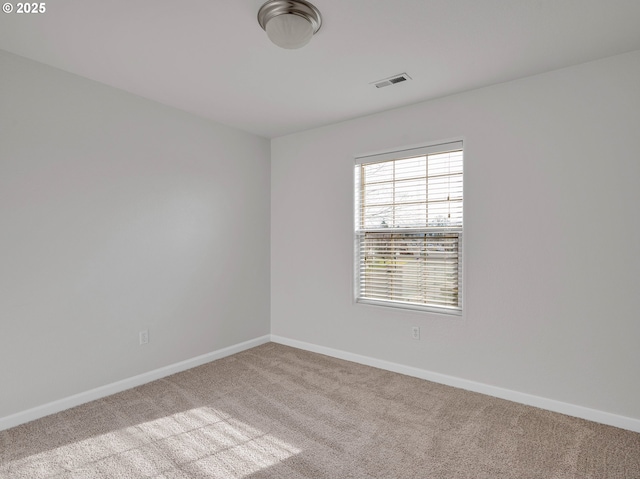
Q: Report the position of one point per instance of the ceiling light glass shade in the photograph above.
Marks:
(289, 31)
(289, 23)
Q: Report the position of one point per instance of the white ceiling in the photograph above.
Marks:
(211, 57)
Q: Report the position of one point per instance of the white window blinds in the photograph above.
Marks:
(408, 228)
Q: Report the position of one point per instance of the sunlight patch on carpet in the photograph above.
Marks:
(196, 442)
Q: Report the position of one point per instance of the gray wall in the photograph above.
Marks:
(552, 237)
(118, 214)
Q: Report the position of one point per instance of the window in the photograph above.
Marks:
(408, 228)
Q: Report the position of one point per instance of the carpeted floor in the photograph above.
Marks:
(279, 412)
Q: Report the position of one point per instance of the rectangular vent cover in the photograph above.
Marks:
(392, 80)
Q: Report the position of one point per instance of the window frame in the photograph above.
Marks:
(400, 154)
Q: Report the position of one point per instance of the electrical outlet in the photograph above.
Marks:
(415, 332)
(144, 336)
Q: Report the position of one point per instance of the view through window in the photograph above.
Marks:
(408, 228)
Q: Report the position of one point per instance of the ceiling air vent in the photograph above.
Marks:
(391, 81)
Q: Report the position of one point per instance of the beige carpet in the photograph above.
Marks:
(280, 412)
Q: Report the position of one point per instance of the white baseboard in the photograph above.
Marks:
(594, 415)
(113, 388)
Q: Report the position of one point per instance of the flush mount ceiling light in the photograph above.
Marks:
(289, 23)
